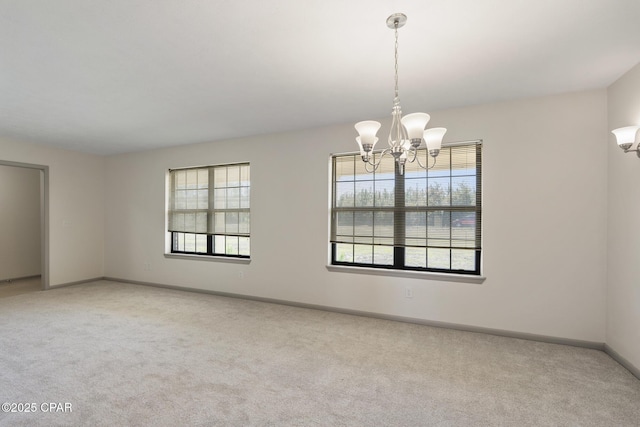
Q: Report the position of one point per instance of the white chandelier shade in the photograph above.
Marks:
(415, 124)
(367, 131)
(433, 138)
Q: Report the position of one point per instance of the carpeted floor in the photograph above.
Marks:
(120, 354)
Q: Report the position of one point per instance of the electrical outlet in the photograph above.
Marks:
(147, 266)
(408, 292)
(241, 275)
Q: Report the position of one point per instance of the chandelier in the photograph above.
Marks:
(406, 134)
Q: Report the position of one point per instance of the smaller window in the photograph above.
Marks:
(209, 210)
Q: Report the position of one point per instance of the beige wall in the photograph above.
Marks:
(623, 291)
(76, 208)
(19, 222)
(544, 221)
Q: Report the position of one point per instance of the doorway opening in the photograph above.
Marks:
(26, 236)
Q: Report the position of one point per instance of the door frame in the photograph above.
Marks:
(44, 216)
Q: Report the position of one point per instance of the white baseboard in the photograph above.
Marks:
(621, 360)
(79, 282)
(15, 279)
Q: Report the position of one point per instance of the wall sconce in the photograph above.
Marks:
(626, 137)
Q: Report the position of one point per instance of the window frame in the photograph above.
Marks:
(173, 236)
(398, 264)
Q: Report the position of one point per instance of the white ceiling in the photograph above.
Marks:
(113, 76)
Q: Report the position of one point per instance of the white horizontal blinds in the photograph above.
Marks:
(189, 200)
(230, 206)
(363, 205)
(213, 201)
(363, 210)
(442, 205)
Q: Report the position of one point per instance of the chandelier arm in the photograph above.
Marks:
(366, 167)
(376, 164)
(420, 163)
(435, 159)
(415, 155)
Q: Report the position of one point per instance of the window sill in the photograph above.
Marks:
(425, 275)
(209, 258)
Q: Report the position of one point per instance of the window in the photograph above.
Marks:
(209, 212)
(422, 220)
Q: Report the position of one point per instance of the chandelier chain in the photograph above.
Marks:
(396, 58)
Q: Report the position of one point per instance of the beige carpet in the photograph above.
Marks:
(122, 354)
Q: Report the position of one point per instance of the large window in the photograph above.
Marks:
(422, 220)
(209, 210)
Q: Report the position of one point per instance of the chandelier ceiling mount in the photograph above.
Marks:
(397, 20)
